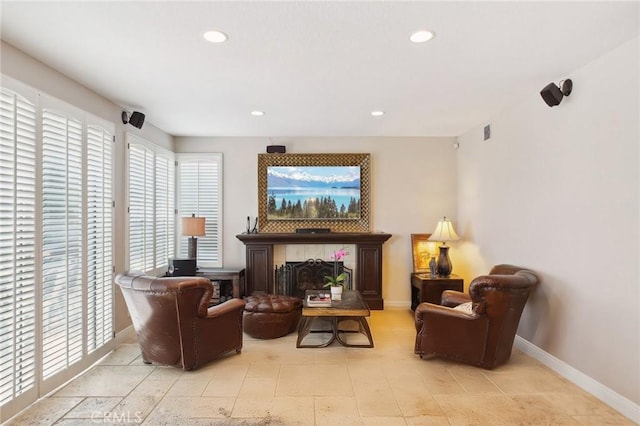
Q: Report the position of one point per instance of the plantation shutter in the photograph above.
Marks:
(99, 236)
(17, 245)
(62, 297)
(140, 207)
(151, 206)
(165, 216)
(200, 193)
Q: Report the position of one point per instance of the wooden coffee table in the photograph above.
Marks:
(351, 307)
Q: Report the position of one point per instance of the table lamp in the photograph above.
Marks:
(444, 232)
(193, 227)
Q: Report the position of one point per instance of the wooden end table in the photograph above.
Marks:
(352, 306)
(424, 288)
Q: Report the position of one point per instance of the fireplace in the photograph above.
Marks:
(367, 274)
(295, 278)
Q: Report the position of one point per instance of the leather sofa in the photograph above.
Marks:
(174, 323)
(476, 328)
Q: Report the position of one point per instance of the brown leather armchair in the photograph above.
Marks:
(173, 320)
(483, 337)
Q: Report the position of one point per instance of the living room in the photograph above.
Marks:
(545, 191)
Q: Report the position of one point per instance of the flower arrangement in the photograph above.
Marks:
(336, 280)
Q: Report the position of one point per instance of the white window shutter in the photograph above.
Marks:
(99, 236)
(200, 193)
(17, 245)
(62, 326)
(151, 206)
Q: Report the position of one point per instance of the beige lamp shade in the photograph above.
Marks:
(444, 231)
(193, 226)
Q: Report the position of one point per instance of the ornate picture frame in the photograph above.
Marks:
(358, 224)
(422, 250)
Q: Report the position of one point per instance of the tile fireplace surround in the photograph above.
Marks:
(264, 251)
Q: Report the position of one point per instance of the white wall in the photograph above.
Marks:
(413, 183)
(14, 63)
(556, 190)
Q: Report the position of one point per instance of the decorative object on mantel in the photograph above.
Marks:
(444, 232)
(337, 197)
(255, 226)
(193, 227)
(336, 280)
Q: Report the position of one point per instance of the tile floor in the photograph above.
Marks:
(273, 383)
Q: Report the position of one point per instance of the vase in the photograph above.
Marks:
(336, 292)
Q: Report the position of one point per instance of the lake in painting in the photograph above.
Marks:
(313, 192)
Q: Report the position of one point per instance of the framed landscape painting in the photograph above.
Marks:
(422, 250)
(313, 191)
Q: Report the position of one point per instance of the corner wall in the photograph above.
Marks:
(557, 190)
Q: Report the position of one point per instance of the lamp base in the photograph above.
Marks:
(444, 266)
(193, 248)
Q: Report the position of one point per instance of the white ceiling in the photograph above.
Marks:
(317, 68)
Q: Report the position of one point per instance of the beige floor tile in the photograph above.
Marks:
(252, 407)
(529, 380)
(123, 355)
(135, 406)
(263, 371)
(207, 407)
(383, 421)
(153, 388)
(293, 410)
(613, 420)
(314, 380)
(578, 404)
(93, 407)
(187, 388)
(117, 380)
(45, 412)
(224, 386)
(480, 409)
(170, 412)
(257, 387)
(331, 411)
(377, 403)
(415, 404)
(473, 380)
(427, 420)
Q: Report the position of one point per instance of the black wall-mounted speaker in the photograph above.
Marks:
(137, 119)
(551, 94)
(276, 149)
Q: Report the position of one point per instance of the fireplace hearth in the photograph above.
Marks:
(295, 278)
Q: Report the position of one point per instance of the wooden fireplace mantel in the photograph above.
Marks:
(259, 264)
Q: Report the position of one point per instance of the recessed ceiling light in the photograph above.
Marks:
(422, 36)
(257, 113)
(215, 36)
(377, 113)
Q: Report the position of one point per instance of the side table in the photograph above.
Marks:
(427, 289)
(233, 275)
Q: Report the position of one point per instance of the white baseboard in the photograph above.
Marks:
(616, 401)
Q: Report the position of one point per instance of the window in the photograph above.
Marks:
(200, 193)
(151, 206)
(17, 245)
(99, 213)
(56, 243)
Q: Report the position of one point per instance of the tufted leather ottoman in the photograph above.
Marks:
(269, 316)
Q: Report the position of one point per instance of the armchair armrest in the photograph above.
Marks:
(452, 298)
(225, 307)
